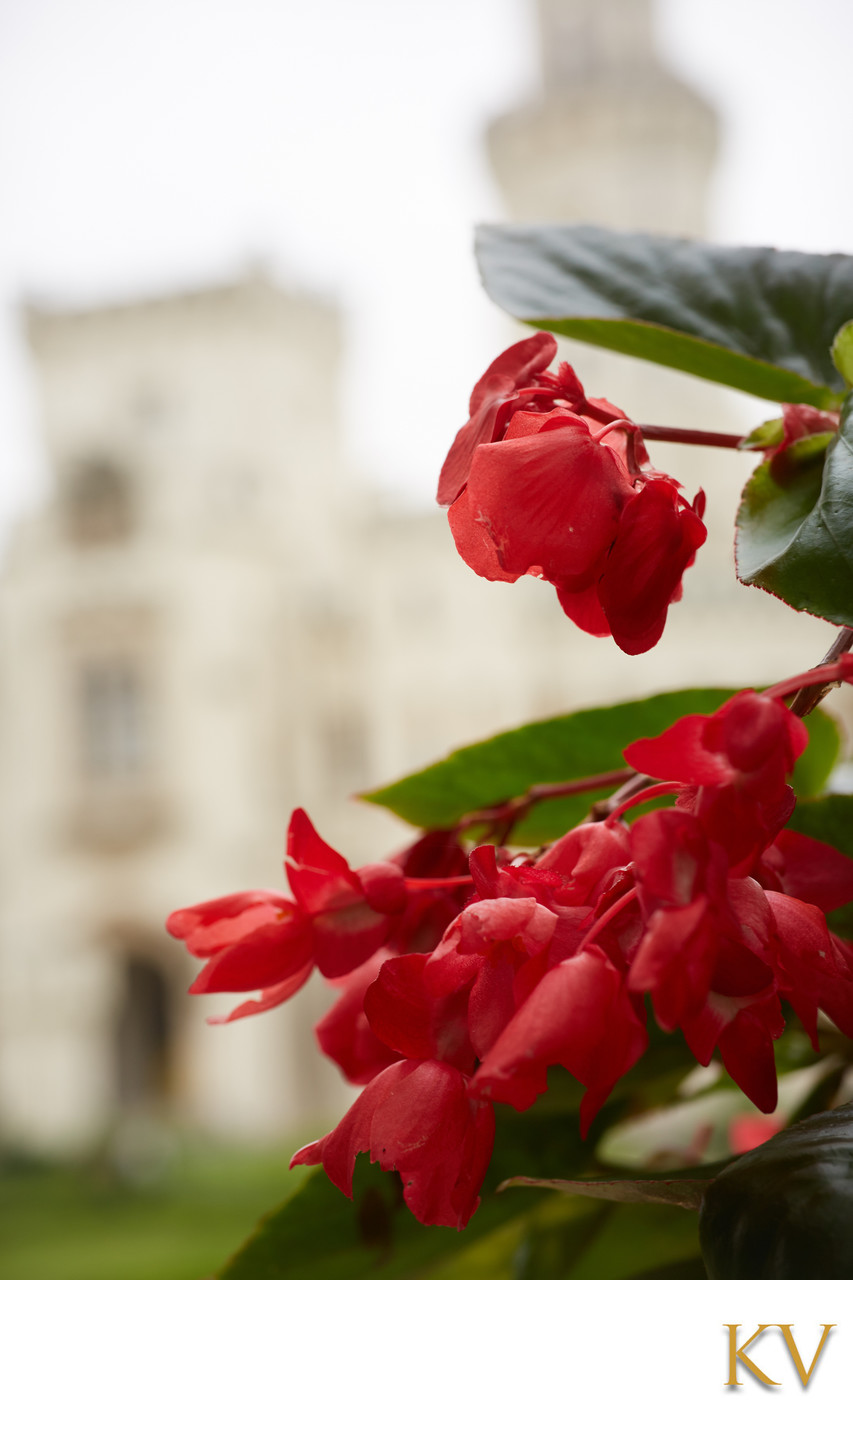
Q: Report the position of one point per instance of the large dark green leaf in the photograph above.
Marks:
(762, 320)
(563, 749)
(785, 1210)
(795, 529)
(318, 1234)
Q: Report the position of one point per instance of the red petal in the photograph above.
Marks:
(550, 502)
(655, 541)
(474, 542)
(265, 958)
(585, 610)
(407, 1016)
(344, 1033)
(511, 370)
(580, 1016)
(272, 997)
(679, 754)
(346, 936)
(514, 368)
(383, 885)
(811, 870)
(585, 857)
(209, 927)
(306, 848)
(746, 1049)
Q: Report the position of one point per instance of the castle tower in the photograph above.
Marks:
(613, 138)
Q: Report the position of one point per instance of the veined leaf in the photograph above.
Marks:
(563, 749)
(761, 320)
(795, 530)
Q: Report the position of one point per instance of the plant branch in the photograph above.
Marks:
(506, 815)
(636, 784)
(807, 699)
(705, 437)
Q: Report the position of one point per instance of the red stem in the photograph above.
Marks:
(419, 883)
(608, 916)
(515, 808)
(705, 437)
(660, 789)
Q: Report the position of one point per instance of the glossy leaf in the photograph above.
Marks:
(812, 771)
(318, 1234)
(563, 749)
(795, 530)
(761, 320)
(842, 352)
(782, 1211)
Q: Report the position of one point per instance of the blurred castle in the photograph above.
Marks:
(211, 623)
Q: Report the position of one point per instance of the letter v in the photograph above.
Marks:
(805, 1375)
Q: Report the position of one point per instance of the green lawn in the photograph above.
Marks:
(84, 1223)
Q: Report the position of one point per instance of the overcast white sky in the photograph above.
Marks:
(148, 144)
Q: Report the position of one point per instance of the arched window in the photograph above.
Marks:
(97, 502)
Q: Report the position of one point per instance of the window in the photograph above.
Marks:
(113, 719)
(98, 502)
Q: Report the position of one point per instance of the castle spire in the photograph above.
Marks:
(588, 37)
(613, 136)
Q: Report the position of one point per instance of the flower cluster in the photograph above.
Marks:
(543, 481)
(463, 978)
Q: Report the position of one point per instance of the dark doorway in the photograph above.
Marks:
(144, 1036)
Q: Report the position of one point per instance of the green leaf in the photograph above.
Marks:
(818, 760)
(318, 1234)
(767, 435)
(782, 1212)
(761, 320)
(795, 528)
(842, 352)
(558, 749)
(562, 749)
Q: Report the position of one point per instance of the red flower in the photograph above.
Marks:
(808, 869)
(263, 941)
(747, 1132)
(737, 761)
(452, 1004)
(344, 1033)
(580, 1016)
(493, 400)
(554, 500)
(418, 1118)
